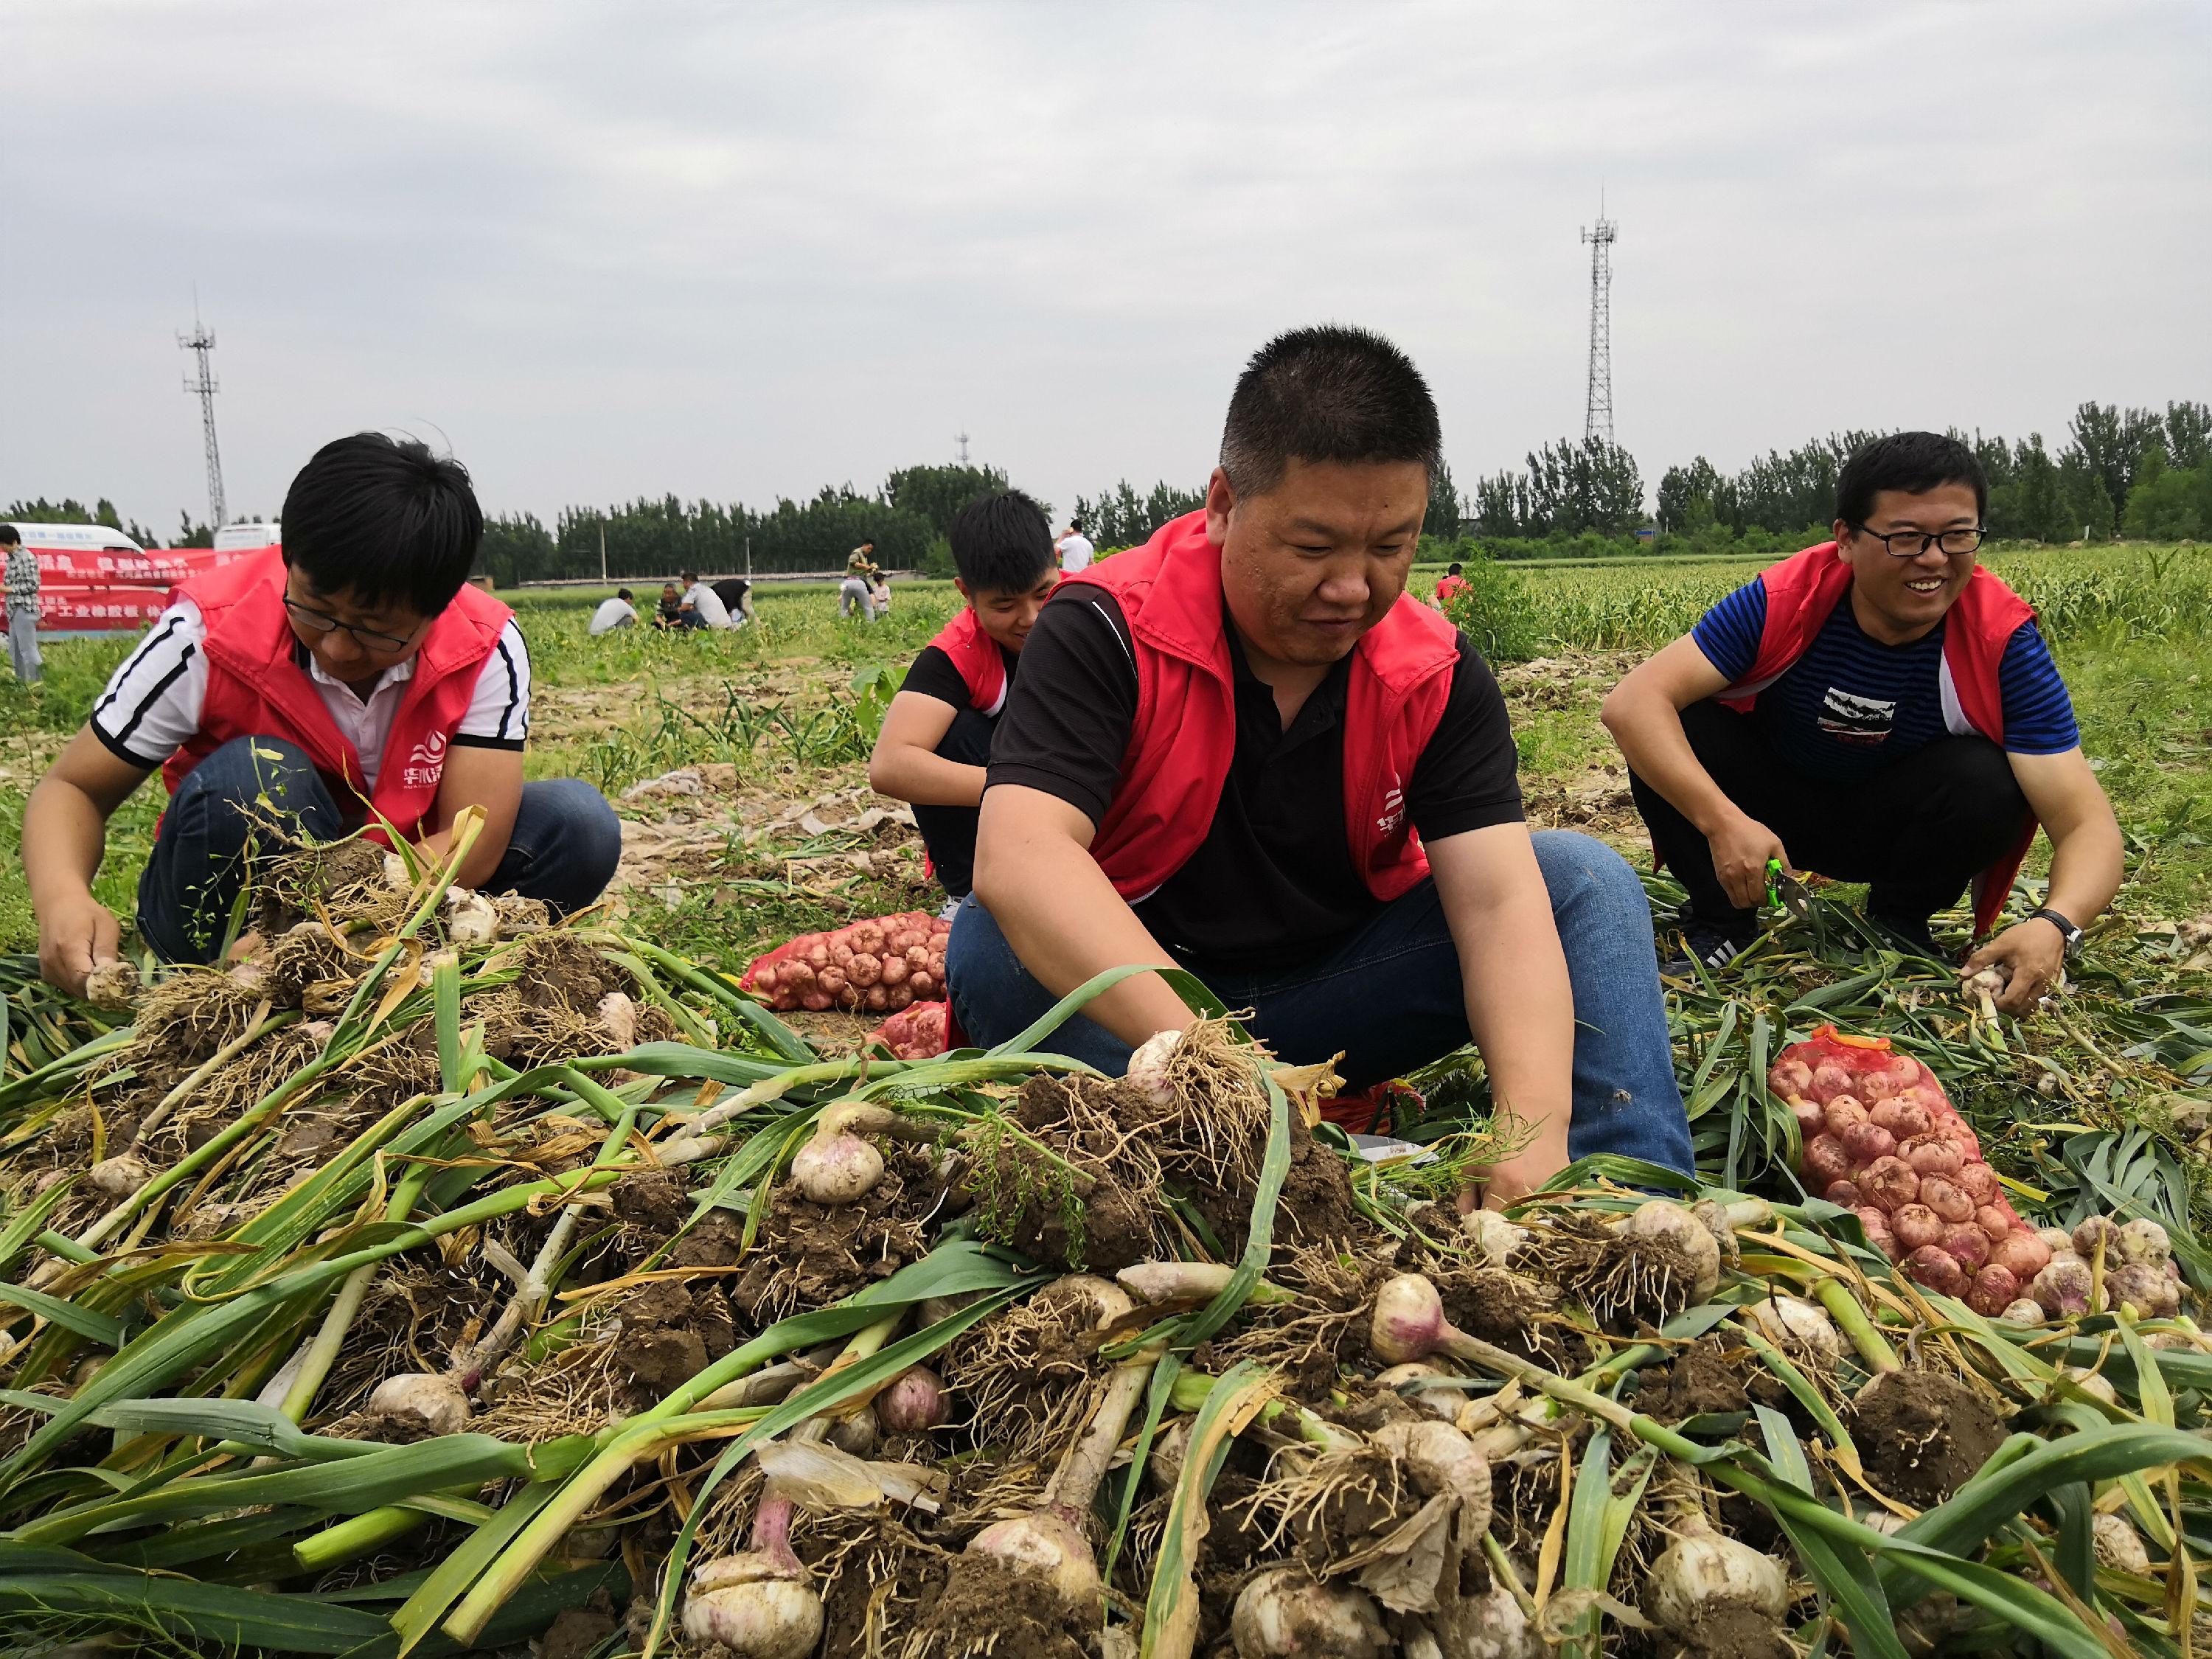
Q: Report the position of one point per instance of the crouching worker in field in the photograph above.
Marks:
(936, 739)
(1243, 750)
(1878, 708)
(351, 671)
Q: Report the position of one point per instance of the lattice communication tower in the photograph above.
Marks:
(1597, 412)
(962, 453)
(200, 341)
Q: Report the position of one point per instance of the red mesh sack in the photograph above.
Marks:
(1882, 1139)
(877, 966)
(917, 1033)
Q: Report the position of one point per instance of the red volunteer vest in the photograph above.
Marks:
(1184, 735)
(976, 655)
(1803, 590)
(255, 688)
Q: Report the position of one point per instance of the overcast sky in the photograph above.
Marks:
(738, 251)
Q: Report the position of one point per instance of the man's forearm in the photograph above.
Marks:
(1067, 924)
(1651, 739)
(65, 836)
(1520, 1011)
(2086, 865)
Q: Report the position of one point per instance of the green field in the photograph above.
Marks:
(2130, 625)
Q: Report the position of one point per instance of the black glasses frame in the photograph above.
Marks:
(322, 622)
(1919, 541)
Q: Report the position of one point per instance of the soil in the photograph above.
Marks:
(655, 1202)
(562, 971)
(1731, 1633)
(855, 1607)
(671, 1330)
(1701, 1381)
(1628, 1284)
(809, 1255)
(323, 877)
(1924, 1435)
(575, 1634)
(1316, 1205)
(987, 1607)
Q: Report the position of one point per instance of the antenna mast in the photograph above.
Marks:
(200, 341)
(1597, 412)
(961, 455)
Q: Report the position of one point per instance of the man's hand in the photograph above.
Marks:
(2029, 954)
(76, 936)
(1513, 1180)
(1741, 849)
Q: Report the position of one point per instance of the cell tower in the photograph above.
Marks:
(1597, 414)
(961, 454)
(200, 341)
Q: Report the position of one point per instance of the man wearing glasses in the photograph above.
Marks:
(1881, 709)
(352, 677)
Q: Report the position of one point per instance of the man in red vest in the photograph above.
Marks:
(350, 677)
(936, 738)
(1241, 750)
(1880, 708)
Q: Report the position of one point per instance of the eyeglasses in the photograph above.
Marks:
(1912, 544)
(368, 639)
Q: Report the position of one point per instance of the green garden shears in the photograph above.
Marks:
(1785, 890)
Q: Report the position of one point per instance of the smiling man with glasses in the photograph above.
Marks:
(1880, 708)
(351, 676)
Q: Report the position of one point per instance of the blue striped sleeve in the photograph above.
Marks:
(1729, 633)
(2038, 715)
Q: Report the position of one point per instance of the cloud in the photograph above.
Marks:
(612, 251)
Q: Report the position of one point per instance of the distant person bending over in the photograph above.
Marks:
(1243, 750)
(737, 596)
(1449, 585)
(936, 738)
(857, 591)
(702, 606)
(1074, 548)
(351, 671)
(620, 611)
(1881, 709)
(22, 585)
(669, 613)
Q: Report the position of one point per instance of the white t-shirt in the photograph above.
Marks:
(707, 605)
(152, 705)
(1075, 550)
(611, 615)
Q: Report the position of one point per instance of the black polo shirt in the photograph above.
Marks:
(1274, 882)
(934, 674)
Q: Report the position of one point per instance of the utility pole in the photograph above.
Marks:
(602, 550)
(961, 455)
(200, 341)
(1597, 412)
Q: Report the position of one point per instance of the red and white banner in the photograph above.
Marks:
(103, 589)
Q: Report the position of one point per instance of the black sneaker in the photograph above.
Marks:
(1707, 944)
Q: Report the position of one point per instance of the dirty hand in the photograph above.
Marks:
(75, 937)
(2029, 955)
(1514, 1179)
(1740, 851)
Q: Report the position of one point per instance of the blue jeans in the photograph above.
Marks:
(563, 849)
(1390, 1000)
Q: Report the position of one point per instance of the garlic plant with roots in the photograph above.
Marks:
(1048, 1541)
(1701, 1575)
(1801, 1329)
(112, 985)
(759, 1605)
(914, 1401)
(1664, 1223)
(1285, 1610)
(120, 1176)
(1148, 1067)
(1491, 1236)
(619, 1015)
(837, 1165)
(2119, 1546)
(1444, 1463)
(470, 917)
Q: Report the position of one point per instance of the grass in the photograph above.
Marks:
(2131, 626)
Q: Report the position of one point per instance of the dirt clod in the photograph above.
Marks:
(989, 1607)
(1924, 1434)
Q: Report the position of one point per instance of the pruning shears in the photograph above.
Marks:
(1785, 890)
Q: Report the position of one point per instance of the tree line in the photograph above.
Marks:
(2135, 472)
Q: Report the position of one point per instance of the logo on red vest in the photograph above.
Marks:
(426, 763)
(1394, 812)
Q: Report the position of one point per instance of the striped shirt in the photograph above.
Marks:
(1851, 705)
(152, 705)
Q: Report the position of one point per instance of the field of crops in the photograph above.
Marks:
(442, 1281)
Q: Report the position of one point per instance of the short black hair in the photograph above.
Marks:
(1001, 544)
(1454, 571)
(624, 593)
(1075, 525)
(383, 520)
(1329, 393)
(690, 577)
(9, 536)
(1912, 462)
(867, 541)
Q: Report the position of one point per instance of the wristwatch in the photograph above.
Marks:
(2066, 930)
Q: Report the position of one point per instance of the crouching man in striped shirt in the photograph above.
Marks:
(352, 677)
(1880, 708)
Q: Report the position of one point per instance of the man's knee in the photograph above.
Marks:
(1966, 786)
(244, 774)
(1580, 868)
(574, 828)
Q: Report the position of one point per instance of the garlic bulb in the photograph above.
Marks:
(759, 1605)
(120, 1176)
(112, 985)
(618, 1014)
(1800, 1328)
(1444, 1463)
(1284, 1611)
(1662, 1220)
(1491, 1235)
(470, 919)
(1049, 1542)
(837, 1167)
(2119, 1546)
(416, 1399)
(1703, 1570)
(1443, 1403)
(1148, 1067)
